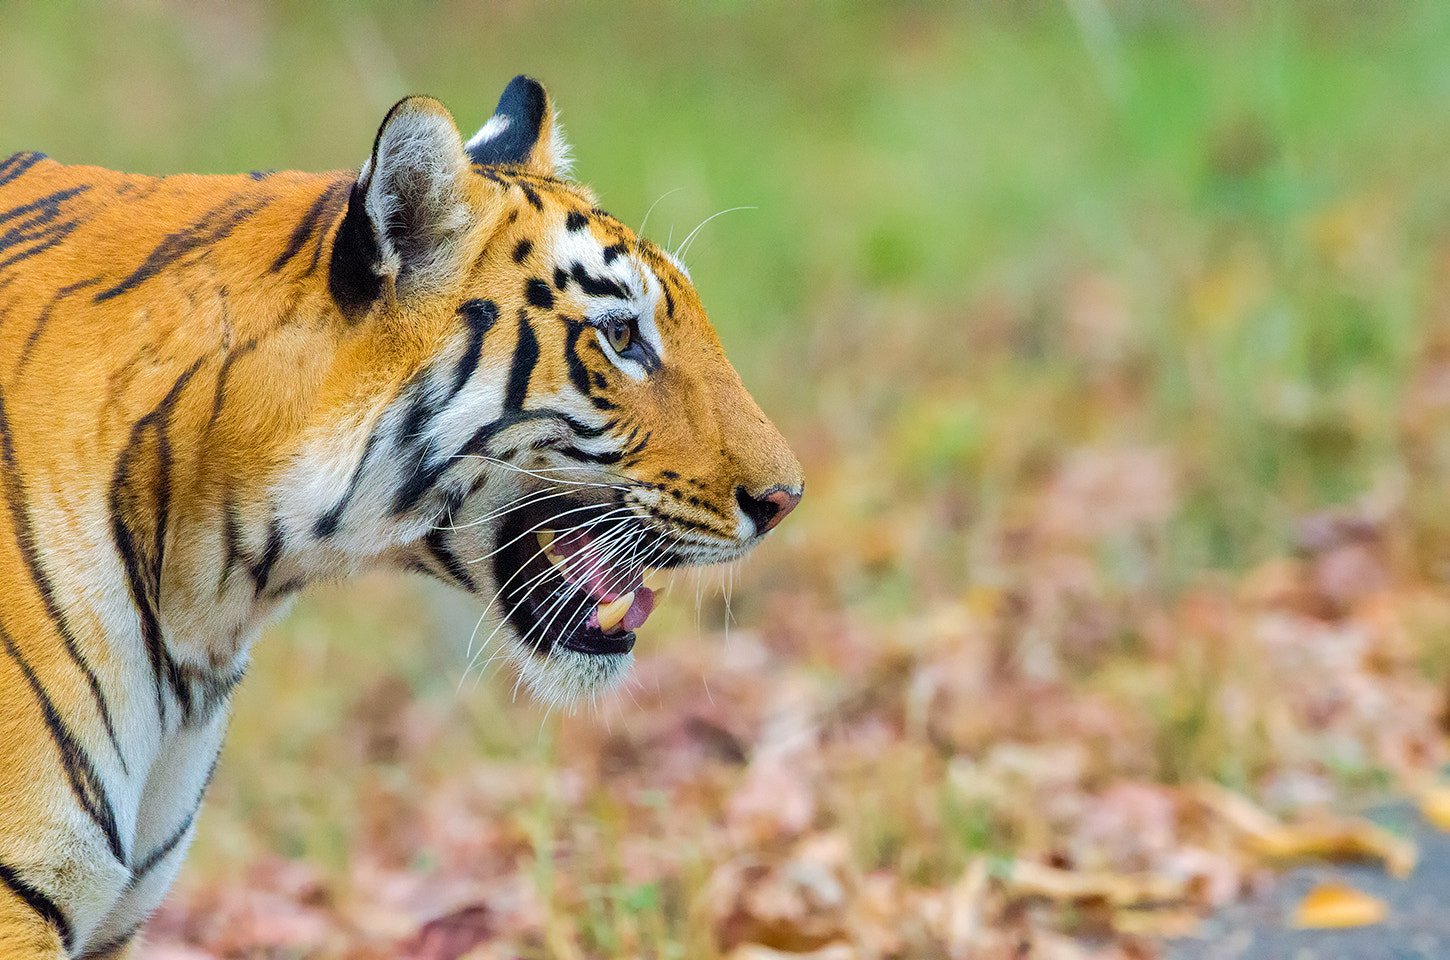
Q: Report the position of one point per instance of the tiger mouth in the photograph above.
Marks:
(574, 579)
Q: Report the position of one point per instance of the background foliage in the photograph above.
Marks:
(1114, 339)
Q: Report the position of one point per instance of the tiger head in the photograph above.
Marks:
(560, 417)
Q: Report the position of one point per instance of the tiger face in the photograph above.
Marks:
(567, 420)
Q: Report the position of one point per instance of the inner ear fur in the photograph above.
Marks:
(409, 210)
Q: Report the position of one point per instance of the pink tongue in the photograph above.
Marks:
(639, 611)
(603, 584)
(587, 572)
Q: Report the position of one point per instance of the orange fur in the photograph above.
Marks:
(209, 398)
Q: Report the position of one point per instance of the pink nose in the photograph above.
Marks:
(768, 509)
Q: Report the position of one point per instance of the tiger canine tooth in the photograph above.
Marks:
(546, 541)
(612, 612)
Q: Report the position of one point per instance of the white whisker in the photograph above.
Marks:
(685, 245)
(667, 193)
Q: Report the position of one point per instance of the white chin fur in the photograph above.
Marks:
(565, 677)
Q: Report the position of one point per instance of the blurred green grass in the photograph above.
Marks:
(983, 236)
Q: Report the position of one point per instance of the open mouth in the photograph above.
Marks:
(577, 583)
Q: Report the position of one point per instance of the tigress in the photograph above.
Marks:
(216, 390)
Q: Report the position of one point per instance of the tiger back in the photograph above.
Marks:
(217, 390)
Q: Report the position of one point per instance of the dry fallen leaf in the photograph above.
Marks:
(1340, 840)
(1335, 905)
(1027, 879)
(964, 906)
(450, 937)
(754, 951)
(1159, 922)
(1435, 806)
(1325, 838)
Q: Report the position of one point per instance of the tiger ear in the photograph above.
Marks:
(407, 211)
(523, 132)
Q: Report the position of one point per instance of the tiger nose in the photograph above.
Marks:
(768, 509)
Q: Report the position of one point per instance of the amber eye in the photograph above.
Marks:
(617, 332)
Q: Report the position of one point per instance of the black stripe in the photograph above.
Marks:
(526, 355)
(522, 250)
(286, 588)
(17, 163)
(44, 318)
(3, 284)
(597, 286)
(135, 194)
(129, 493)
(614, 251)
(215, 225)
(478, 443)
(420, 480)
(428, 466)
(336, 205)
(16, 497)
(261, 571)
(576, 221)
(574, 453)
(353, 278)
(305, 228)
(480, 315)
(447, 560)
(149, 862)
(219, 397)
(38, 902)
(85, 783)
(231, 537)
(203, 689)
(531, 195)
(39, 228)
(420, 410)
(112, 946)
(327, 524)
(538, 294)
(578, 373)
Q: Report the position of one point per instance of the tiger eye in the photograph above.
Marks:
(618, 333)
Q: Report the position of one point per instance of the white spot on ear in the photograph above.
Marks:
(496, 126)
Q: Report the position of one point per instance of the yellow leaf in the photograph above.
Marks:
(1435, 806)
(1028, 879)
(1323, 838)
(1334, 905)
(1340, 839)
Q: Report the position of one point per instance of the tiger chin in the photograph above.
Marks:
(217, 390)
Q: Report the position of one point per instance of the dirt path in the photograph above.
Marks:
(1418, 925)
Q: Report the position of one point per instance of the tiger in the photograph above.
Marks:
(216, 391)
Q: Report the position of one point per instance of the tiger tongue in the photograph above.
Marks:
(573, 558)
(628, 612)
(639, 611)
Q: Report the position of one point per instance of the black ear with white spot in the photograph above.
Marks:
(523, 132)
(408, 209)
